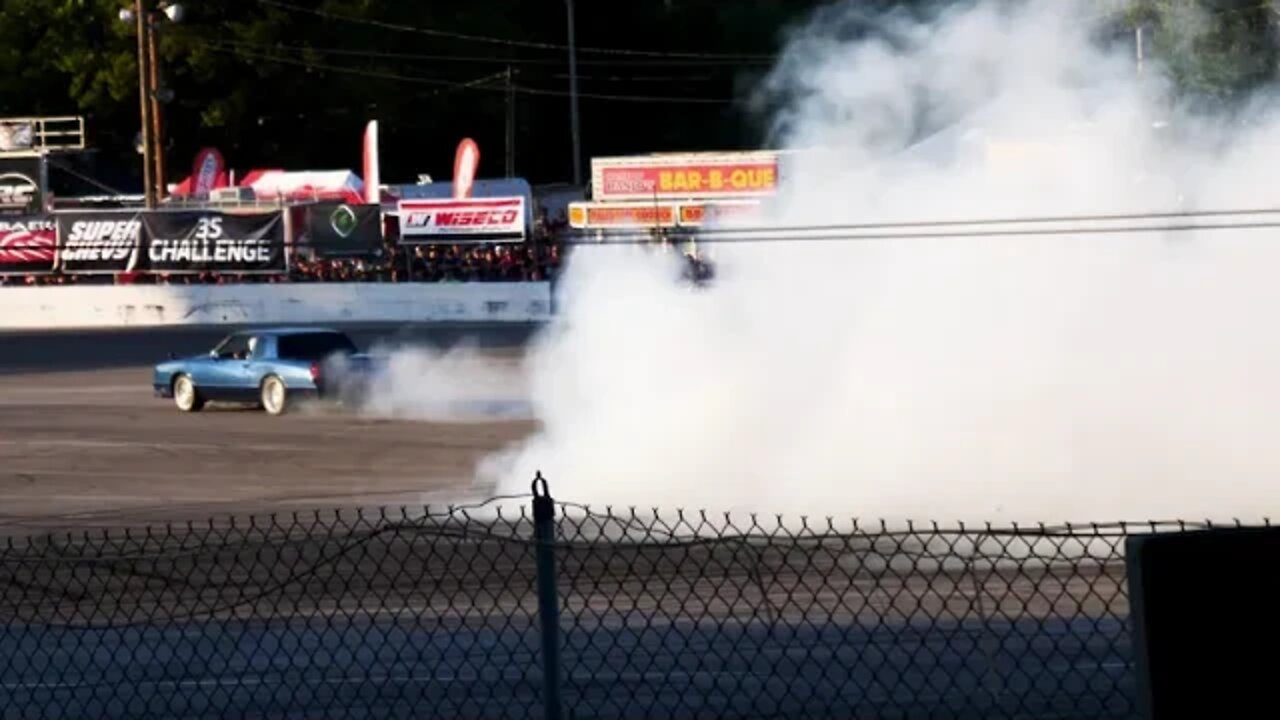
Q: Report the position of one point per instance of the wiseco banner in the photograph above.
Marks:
(450, 220)
(628, 179)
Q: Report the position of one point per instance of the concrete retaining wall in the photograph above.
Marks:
(113, 306)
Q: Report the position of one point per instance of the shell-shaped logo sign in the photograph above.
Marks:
(465, 162)
(343, 220)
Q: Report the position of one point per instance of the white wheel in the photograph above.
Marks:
(185, 395)
(274, 397)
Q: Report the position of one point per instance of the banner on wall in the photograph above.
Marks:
(170, 242)
(28, 245)
(342, 229)
(98, 242)
(449, 220)
(199, 241)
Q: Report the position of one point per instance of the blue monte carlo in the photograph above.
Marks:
(269, 367)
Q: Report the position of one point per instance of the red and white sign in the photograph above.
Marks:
(685, 177)
(473, 219)
(27, 245)
(617, 216)
(725, 213)
(465, 162)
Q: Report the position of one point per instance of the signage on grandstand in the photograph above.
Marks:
(340, 229)
(718, 213)
(98, 242)
(622, 215)
(27, 245)
(170, 242)
(190, 242)
(21, 183)
(684, 177)
(470, 220)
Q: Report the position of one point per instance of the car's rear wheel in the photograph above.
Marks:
(185, 395)
(274, 397)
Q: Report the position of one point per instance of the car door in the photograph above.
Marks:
(218, 377)
(244, 375)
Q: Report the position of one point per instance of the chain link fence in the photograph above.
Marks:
(515, 610)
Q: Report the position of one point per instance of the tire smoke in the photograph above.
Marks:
(1079, 377)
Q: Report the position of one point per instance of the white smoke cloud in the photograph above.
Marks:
(418, 382)
(1048, 378)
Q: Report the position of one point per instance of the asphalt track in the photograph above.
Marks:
(82, 442)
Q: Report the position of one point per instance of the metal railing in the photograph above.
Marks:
(561, 611)
(25, 135)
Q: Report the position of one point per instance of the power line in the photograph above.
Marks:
(451, 84)
(505, 41)
(912, 230)
(638, 239)
(498, 59)
(969, 222)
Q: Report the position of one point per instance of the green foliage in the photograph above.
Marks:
(1215, 51)
(278, 86)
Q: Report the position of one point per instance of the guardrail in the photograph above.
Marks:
(41, 134)
(522, 609)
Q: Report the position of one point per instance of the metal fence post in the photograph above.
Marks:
(544, 531)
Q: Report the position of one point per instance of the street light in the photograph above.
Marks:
(151, 95)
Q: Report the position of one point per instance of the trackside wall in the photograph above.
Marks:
(114, 306)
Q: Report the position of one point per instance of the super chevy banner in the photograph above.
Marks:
(449, 220)
(199, 241)
(98, 243)
(341, 229)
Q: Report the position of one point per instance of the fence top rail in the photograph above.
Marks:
(509, 518)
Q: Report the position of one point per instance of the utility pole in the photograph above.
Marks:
(144, 82)
(511, 125)
(573, 100)
(157, 136)
(1137, 34)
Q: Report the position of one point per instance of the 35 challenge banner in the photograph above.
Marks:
(109, 242)
(199, 241)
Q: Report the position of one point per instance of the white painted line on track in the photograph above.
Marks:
(149, 444)
(26, 389)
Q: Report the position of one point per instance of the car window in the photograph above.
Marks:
(235, 346)
(313, 346)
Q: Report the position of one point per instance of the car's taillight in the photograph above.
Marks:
(315, 372)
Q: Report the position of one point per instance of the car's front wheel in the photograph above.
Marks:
(273, 397)
(185, 395)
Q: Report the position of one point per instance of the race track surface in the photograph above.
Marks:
(351, 623)
(83, 441)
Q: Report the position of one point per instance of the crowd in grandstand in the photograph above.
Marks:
(538, 259)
